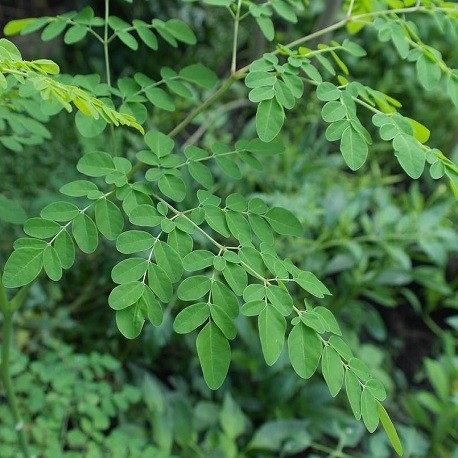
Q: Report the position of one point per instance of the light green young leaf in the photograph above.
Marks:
(214, 355)
(369, 411)
(22, 267)
(216, 219)
(52, 263)
(333, 371)
(270, 117)
(304, 349)
(191, 318)
(272, 327)
(85, 233)
(389, 429)
(284, 222)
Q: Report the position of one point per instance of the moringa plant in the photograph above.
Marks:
(161, 208)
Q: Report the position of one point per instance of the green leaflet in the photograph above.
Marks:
(333, 111)
(270, 117)
(333, 371)
(225, 298)
(65, 249)
(129, 270)
(353, 148)
(280, 299)
(369, 411)
(236, 278)
(266, 26)
(310, 283)
(283, 222)
(78, 188)
(376, 388)
(389, 429)
(214, 355)
(160, 144)
(193, 288)
(353, 389)
(130, 320)
(191, 318)
(172, 186)
(134, 242)
(329, 319)
(60, 211)
(85, 234)
(271, 327)
(360, 368)
(200, 75)
(429, 73)
(41, 228)
(109, 219)
(52, 263)
(304, 349)
(145, 215)
(159, 282)
(285, 10)
(410, 154)
(198, 260)
(22, 267)
(96, 164)
(125, 295)
(169, 260)
(224, 322)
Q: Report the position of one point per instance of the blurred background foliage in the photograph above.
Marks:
(386, 246)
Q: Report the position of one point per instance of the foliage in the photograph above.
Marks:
(224, 256)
